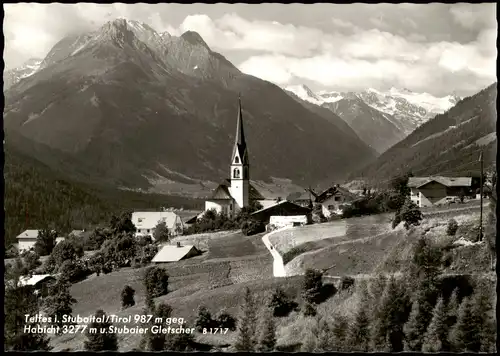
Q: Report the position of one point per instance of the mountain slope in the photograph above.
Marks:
(135, 109)
(403, 108)
(36, 196)
(13, 76)
(371, 125)
(409, 109)
(448, 144)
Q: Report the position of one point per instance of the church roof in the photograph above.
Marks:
(221, 192)
(240, 144)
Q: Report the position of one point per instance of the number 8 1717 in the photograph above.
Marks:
(215, 330)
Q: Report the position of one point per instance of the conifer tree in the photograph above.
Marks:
(247, 324)
(340, 330)
(465, 334)
(411, 329)
(19, 301)
(157, 342)
(359, 332)
(102, 340)
(59, 302)
(452, 307)
(484, 315)
(436, 336)
(308, 342)
(267, 337)
(390, 318)
(324, 336)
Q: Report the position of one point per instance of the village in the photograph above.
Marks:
(245, 227)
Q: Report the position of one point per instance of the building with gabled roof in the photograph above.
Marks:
(334, 199)
(146, 221)
(174, 253)
(438, 190)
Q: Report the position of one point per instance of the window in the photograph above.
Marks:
(337, 198)
(236, 159)
(148, 231)
(236, 173)
(331, 207)
(140, 219)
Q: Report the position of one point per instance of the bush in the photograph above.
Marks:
(45, 242)
(31, 260)
(73, 271)
(63, 251)
(346, 283)
(452, 227)
(127, 297)
(204, 319)
(225, 320)
(156, 281)
(308, 309)
(410, 214)
(312, 286)
(280, 304)
(252, 227)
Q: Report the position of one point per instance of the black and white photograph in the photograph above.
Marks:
(241, 177)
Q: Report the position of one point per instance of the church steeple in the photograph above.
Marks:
(240, 145)
(239, 164)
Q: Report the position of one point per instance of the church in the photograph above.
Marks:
(237, 192)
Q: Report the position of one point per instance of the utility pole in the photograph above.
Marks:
(480, 237)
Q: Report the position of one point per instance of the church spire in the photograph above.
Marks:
(240, 144)
(240, 134)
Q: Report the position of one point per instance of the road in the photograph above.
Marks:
(278, 265)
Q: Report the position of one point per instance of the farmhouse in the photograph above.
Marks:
(174, 253)
(333, 200)
(282, 208)
(146, 221)
(237, 192)
(437, 190)
(26, 240)
(40, 282)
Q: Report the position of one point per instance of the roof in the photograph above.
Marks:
(417, 182)
(172, 253)
(240, 144)
(336, 190)
(222, 193)
(28, 234)
(149, 219)
(305, 195)
(35, 279)
(281, 207)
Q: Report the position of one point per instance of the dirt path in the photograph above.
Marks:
(278, 265)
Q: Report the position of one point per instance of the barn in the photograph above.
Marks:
(174, 253)
(282, 208)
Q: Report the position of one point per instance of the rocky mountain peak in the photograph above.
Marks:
(194, 38)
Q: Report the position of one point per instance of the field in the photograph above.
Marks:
(389, 250)
(232, 261)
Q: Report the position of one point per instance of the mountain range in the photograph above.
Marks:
(130, 107)
(448, 144)
(381, 119)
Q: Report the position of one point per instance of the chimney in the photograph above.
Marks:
(178, 244)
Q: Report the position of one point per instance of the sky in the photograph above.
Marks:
(435, 48)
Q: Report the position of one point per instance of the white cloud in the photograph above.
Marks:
(473, 16)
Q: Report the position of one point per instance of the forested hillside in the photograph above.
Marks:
(449, 144)
(36, 197)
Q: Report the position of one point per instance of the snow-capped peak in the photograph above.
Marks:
(30, 67)
(305, 93)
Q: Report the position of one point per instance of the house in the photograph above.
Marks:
(282, 208)
(304, 198)
(438, 190)
(237, 192)
(174, 253)
(40, 282)
(333, 200)
(146, 221)
(26, 240)
(59, 239)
